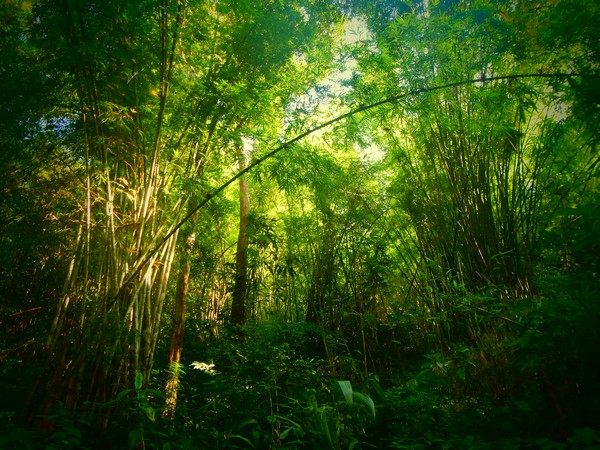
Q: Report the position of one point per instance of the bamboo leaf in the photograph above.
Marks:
(325, 427)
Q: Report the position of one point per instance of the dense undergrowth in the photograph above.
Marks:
(490, 373)
(413, 263)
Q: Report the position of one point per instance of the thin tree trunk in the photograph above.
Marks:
(178, 327)
(238, 303)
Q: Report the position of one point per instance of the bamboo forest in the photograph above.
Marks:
(299, 224)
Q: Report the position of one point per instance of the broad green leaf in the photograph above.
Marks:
(242, 438)
(150, 413)
(248, 422)
(285, 433)
(346, 388)
(139, 379)
(121, 395)
(135, 437)
(365, 400)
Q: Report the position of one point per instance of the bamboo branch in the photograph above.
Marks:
(352, 112)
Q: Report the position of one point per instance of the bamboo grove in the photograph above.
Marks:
(397, 182)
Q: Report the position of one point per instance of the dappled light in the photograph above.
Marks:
(299, 224)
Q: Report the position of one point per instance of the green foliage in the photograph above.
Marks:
(13, 436)
(424, 275)
(264, 390)
(68, 428)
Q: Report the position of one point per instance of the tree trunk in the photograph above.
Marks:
(178, 326)
(238, 303)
